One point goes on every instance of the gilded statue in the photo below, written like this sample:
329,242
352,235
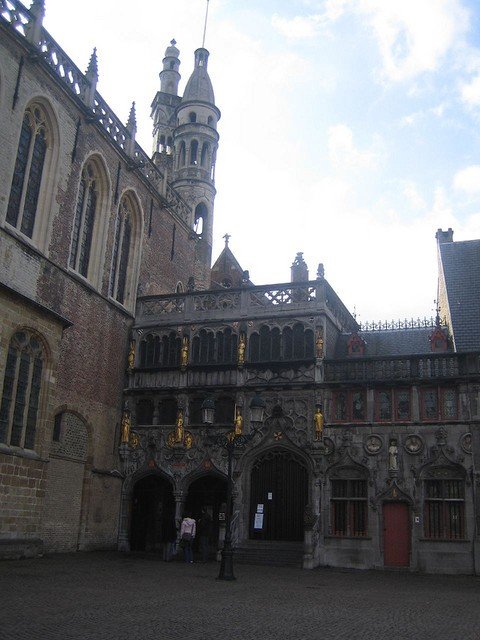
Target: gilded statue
238,423
241,349
319,344
131,356
179,428
184,352
318,421
126,424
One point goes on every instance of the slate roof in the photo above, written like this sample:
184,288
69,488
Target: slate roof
460,262
199,86
397,342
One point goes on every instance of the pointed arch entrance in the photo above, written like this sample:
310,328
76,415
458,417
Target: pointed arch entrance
207,492
153,509
279,493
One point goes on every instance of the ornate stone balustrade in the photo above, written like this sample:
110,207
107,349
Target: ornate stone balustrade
16,14
428,367
227,304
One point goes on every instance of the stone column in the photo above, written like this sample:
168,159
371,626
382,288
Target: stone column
124,519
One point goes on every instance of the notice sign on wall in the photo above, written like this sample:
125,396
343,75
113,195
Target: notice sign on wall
258,522
259,508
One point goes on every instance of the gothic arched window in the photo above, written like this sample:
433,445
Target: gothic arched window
193,152
121,256
204,154
27,177
182,155
192,116
254,347
21,390
200,218
84,222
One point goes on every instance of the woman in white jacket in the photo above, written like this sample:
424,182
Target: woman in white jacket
188,529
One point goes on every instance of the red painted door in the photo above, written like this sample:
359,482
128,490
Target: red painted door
396,534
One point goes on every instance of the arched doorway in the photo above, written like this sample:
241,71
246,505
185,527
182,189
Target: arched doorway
210,493
153,507
278,496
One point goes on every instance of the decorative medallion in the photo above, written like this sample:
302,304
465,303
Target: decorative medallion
373,445
413,444
278,435
466,442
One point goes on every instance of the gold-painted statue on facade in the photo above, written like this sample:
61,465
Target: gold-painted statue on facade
238,423
131,356
242,345
126,424
179,427
184,352
319,344
318,421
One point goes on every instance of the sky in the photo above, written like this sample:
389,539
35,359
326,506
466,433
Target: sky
349,130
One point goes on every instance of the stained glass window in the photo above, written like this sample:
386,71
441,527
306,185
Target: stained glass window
21,391
84,221
28,171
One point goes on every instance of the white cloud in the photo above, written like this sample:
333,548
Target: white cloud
471,92
468,180
308,26
343,152
413,37
415,200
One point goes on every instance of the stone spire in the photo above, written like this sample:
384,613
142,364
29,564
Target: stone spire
91,75
34,29
132,130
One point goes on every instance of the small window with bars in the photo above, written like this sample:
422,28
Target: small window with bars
348,507
444,514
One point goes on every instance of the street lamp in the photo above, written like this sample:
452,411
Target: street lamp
230,442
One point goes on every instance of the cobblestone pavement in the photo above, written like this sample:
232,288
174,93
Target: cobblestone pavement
97,596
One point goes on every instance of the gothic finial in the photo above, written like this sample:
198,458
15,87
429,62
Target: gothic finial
173,42
132,118
37,5
320,271
437,313
92,69
227,237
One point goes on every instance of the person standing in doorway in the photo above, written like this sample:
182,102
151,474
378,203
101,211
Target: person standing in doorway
188,530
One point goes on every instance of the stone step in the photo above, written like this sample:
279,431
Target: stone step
266,552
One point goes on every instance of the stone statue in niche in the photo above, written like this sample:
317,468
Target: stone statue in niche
179,429
238,423
319,344
131,356
126,424
184,352
318,421
241,350
393,455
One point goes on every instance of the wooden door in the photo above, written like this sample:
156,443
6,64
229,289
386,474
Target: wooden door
279,492
396,534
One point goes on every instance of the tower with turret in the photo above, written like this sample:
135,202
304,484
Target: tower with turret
185,146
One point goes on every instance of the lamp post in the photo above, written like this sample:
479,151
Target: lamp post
230,442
